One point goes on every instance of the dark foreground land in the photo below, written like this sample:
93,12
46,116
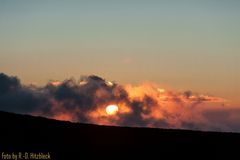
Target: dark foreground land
64,140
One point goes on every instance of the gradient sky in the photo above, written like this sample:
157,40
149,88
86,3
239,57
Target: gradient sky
185,44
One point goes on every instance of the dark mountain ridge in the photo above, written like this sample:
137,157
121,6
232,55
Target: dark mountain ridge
66,140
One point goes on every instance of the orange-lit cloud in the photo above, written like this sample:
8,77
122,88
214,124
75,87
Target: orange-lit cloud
144,105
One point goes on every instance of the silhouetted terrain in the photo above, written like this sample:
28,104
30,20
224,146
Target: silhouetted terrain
65,140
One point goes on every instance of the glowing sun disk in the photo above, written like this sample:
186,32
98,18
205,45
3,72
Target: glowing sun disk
112,109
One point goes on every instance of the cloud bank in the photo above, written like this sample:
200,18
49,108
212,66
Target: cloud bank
145,105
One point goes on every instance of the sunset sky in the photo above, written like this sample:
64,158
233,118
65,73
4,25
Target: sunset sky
183,44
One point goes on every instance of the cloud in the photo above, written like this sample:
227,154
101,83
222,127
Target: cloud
15,97
144,105
224,119
8,83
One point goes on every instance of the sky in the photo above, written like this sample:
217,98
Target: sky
184,44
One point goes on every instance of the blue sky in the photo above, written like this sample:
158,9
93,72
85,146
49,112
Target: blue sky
186,44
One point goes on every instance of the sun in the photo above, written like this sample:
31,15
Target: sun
111,109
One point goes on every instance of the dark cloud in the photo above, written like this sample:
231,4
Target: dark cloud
187,94
134,118
8,84
17,98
